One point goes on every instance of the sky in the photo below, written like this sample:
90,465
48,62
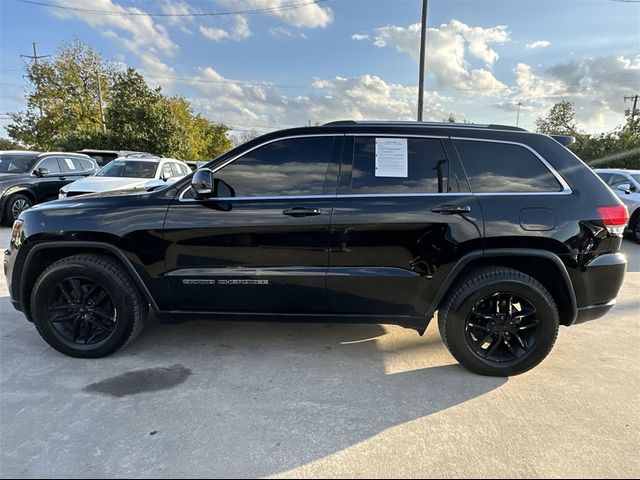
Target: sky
298,61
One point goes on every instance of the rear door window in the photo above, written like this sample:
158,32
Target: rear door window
419,165
494,167
67,165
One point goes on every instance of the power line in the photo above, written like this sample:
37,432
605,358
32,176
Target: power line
158,14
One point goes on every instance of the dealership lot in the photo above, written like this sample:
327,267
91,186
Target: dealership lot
288,400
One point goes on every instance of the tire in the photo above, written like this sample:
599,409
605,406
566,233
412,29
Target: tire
488,342
100,307
14,205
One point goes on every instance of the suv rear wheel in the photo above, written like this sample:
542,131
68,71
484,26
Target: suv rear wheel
499,321
87,306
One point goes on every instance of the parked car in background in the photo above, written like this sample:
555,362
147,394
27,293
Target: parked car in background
128,173
626,185
102,157
27,178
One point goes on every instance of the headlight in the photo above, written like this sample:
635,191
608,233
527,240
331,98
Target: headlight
16,233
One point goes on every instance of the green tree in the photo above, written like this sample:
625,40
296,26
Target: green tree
6,144
561,120
65,89
205,139
619,148
139,118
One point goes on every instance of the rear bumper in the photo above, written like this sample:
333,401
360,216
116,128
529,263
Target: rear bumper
593,312
601,280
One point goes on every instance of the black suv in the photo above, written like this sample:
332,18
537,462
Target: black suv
27,178
505,233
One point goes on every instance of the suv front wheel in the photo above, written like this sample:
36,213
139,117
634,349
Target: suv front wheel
87,306
499,321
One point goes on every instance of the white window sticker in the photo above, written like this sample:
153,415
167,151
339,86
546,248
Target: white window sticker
391,157
69,163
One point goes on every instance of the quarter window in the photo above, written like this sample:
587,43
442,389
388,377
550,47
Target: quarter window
427,168
504,168
295,166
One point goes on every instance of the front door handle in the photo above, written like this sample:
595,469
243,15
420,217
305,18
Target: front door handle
451,209
302,212
62,178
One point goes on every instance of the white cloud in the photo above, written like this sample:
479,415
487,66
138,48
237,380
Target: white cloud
311,15
537,44
172,7
364,97
448,47
281,32
359,37
596,85
138,33
239,32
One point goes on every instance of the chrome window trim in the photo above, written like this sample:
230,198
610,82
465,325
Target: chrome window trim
326,197
566,190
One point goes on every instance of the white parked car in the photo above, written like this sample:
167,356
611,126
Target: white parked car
126,173
626,185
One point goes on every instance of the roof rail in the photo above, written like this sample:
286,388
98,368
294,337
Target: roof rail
340,123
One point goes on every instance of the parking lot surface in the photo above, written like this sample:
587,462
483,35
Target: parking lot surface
288,400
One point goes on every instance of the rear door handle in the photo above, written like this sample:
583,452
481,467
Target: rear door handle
451,209
302,212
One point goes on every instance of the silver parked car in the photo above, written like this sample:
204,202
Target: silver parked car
626,185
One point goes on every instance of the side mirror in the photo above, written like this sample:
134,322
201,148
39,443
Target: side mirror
204,186
41,172
625,187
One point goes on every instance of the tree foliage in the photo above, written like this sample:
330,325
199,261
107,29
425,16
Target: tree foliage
619,148
65,87
6,144
137,117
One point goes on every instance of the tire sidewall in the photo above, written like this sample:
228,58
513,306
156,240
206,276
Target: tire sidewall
124,305
8,212
547,330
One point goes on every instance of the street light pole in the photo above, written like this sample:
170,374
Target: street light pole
423,42
518,116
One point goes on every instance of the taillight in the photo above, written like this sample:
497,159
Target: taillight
614,217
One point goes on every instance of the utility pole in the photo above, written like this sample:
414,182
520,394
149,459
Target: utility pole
519,104
423,44
104,126
634,110
35,58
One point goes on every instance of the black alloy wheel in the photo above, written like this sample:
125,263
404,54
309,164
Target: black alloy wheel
499,321
87,306
82,311
502,327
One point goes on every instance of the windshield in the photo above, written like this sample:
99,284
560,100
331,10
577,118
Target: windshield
20,163
129,168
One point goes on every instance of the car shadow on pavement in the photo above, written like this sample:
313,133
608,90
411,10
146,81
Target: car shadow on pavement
277,396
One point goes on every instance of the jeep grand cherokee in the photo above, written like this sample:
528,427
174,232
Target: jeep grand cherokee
505,233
